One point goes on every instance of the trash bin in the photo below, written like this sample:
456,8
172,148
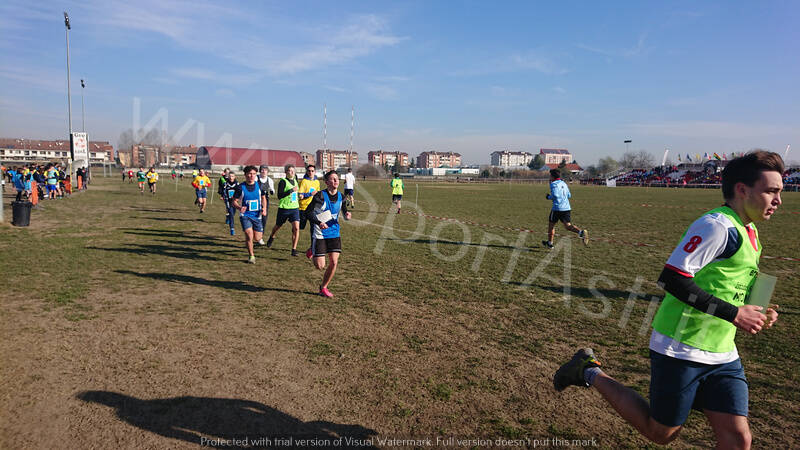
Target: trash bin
21,213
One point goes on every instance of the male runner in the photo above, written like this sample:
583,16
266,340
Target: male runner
288,207
152,179
349,188
268,188
326,239
560,195
397,191
226,192
201,183
141,178
308,186
251,203
693,357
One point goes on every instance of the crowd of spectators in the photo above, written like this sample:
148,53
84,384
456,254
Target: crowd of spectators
34,181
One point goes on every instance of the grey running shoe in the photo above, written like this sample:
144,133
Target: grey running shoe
571,373
585,236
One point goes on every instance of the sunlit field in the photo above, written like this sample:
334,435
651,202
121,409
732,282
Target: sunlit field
133,321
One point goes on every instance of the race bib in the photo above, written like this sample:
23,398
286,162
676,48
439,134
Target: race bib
202,183
231,192
252,205
294,196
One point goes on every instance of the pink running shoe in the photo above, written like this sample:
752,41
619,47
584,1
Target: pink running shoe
325,292
309,254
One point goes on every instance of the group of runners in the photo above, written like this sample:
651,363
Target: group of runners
707,278
149,177
302,203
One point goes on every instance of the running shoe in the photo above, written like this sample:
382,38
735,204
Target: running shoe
295,252
325,292
261,241
233,232
269,242
571,373
252,259
585,236
309,253
547,244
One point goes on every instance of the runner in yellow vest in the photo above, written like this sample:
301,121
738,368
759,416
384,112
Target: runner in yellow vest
693,357
397,191
309,185
288,207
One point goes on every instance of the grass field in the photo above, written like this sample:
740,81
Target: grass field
132,321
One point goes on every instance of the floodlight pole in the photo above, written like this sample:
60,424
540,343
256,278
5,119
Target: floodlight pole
83,110
69,105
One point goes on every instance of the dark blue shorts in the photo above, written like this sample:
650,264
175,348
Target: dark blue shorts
291,215
563,216
397,197
251,222
201,193
676,386
348,192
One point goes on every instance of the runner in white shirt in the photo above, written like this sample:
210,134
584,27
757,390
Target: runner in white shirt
349,186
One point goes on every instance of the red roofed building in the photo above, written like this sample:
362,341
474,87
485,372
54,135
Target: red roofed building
217,158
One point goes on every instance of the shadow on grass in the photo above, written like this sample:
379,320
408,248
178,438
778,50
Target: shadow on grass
470,244
174,277
165,233
583,292
203,420
165,250
168,219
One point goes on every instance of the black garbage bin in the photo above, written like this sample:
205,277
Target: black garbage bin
22,213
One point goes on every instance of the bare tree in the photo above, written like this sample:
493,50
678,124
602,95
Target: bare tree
607,165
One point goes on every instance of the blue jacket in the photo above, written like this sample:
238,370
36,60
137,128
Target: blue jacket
559,194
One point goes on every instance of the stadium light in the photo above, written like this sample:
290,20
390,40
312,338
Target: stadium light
627,142
83,110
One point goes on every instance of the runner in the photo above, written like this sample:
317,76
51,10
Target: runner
349,188
268,188
694,362
308,186
560,195
288,207
52,182
124,174
152,179
130,175
326,237
226,192
201,183
397,191
250,201
141,178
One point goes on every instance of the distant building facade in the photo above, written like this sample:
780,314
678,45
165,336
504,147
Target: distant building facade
334,159
428,160
308,158
506,158
380,158
556,155
18,150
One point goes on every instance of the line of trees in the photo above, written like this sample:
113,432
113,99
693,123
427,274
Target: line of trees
629,161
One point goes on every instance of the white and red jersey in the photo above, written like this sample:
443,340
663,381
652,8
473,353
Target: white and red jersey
710,238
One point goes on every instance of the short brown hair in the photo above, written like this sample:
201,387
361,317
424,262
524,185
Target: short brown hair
747,169
555,173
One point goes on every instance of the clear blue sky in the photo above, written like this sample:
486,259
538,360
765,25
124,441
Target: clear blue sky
470,77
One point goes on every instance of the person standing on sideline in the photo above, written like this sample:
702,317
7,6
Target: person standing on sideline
201,183
694,363
268,188
397,191
309,185
141,178
52,182
288,207
226,192
249,199
323,212
349,188
561,211
152,179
